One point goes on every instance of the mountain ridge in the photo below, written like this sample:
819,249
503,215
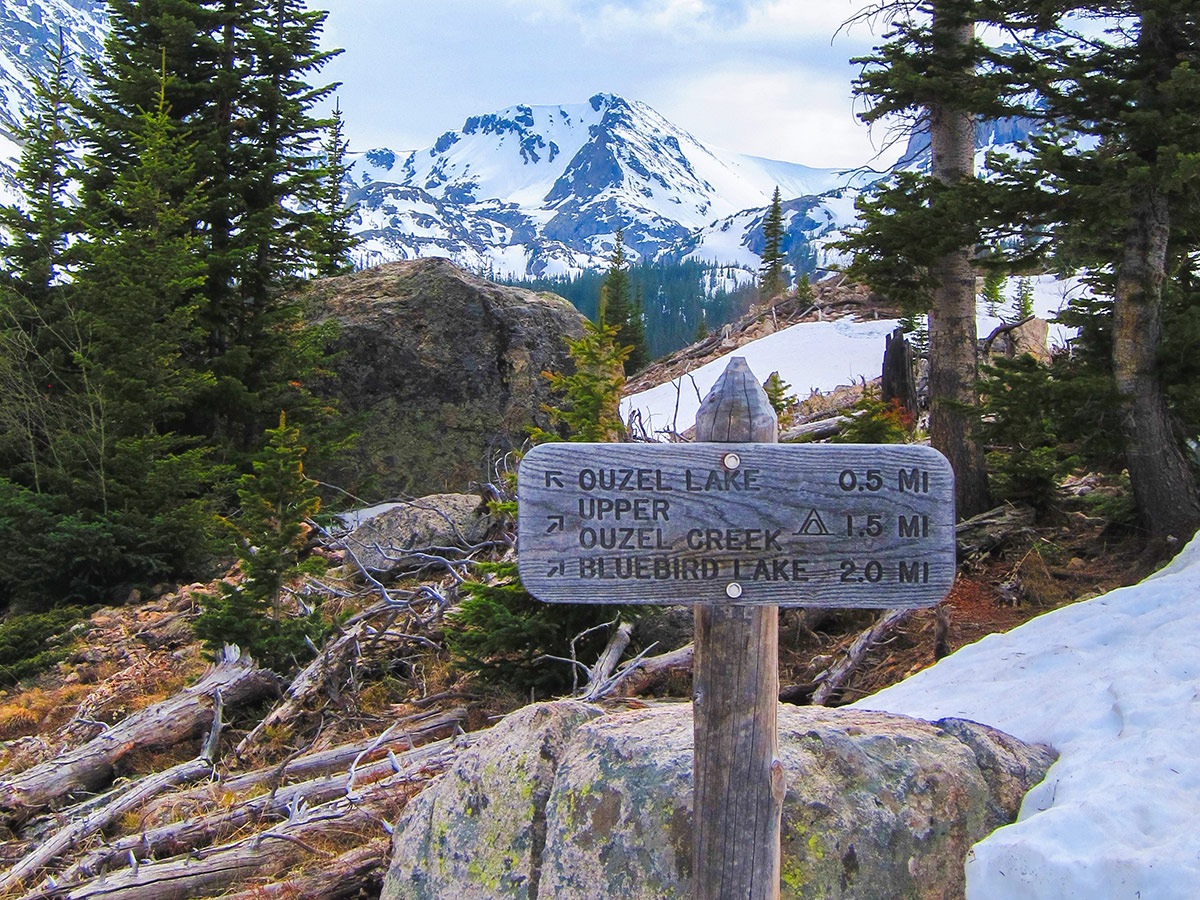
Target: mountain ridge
541,190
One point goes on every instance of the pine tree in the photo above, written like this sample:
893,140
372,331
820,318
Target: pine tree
1120,202
919,232
619,310
36,253
993,289
770,279
270,531
35,339
781,401
333,241
238,81
592,393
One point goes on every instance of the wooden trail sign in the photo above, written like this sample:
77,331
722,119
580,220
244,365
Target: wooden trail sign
833,525
738,526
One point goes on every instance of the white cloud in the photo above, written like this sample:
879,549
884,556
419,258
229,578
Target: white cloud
729,19
800,115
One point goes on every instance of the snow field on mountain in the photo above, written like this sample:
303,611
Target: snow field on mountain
1113,684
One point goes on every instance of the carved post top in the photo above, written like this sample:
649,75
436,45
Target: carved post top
737,409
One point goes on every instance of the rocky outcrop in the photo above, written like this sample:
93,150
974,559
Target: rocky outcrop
440,369
436,521
563,803
480,832
1030,336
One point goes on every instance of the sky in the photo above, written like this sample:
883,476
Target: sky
763,77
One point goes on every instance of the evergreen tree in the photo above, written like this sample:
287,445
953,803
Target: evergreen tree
1023,302
237,81
993,288
35,334
919,232
619,309
270,533
770,279
1120,202
333,241
592,393
36,252
777,392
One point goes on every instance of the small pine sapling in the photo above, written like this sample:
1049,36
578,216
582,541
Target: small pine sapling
781,401
1023,302
804,293
878,422
1018,429
499,630
592,393
269,537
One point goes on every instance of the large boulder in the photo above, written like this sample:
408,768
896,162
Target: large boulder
877,806
439,520
479,833
440,368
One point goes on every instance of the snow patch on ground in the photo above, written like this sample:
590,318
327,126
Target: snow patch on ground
808,356
1113,684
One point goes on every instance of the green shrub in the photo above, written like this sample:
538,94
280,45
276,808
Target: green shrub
33,642
877,422
1019,433
503,633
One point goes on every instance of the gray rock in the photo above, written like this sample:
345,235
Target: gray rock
441,368
439,520
478,833
1031,336
878,806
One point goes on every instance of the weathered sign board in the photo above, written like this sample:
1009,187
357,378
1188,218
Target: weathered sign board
833,525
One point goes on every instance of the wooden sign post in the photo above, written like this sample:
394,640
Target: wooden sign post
737,525
737,776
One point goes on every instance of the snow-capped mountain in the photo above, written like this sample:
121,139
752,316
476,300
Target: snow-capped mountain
542,190
29,33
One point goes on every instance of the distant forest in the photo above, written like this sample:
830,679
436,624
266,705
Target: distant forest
679,300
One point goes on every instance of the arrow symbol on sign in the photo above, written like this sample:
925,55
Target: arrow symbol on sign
559,569
557,523
552,479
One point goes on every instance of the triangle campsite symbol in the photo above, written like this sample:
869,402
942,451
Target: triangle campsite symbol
813,526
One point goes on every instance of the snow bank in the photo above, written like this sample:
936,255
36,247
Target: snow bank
1114,685
823,355
812,355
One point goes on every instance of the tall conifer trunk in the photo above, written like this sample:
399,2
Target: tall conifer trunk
953,346
1163,485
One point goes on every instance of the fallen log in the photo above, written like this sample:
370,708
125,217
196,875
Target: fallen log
833,678
194,832
816,431
985,532
236,678
407,733
202,873
310,681
637,674
131,799
356,873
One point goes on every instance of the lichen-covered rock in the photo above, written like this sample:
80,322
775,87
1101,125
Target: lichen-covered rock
877,806
440,368
439,520
479,831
